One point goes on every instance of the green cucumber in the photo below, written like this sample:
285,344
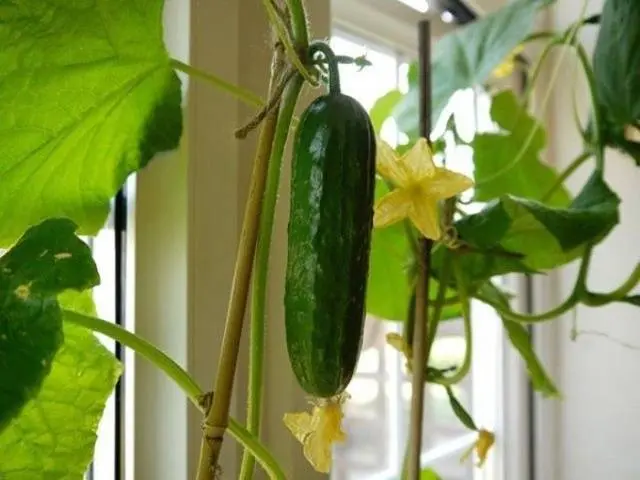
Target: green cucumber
329,239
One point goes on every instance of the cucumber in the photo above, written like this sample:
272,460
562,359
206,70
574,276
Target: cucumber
329,239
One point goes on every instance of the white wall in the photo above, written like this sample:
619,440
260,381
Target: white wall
593,433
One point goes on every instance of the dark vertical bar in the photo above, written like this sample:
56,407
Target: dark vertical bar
422,289
120,230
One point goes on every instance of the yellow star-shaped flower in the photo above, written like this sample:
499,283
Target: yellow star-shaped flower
318,431
419,186
398,342
482,446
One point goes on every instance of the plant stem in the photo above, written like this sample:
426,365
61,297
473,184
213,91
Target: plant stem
180,377
283,35
465,304
245,96
216,419
599,299
595,109
419,359
434,319
261,269
332,64
299,26
583,157
142,347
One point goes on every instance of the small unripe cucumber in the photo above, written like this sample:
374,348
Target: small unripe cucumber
331,215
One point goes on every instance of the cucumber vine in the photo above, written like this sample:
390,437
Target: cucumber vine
123,107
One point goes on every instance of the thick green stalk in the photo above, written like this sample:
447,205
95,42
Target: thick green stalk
180,377
299,26
216,419
282,31
261,269
241,94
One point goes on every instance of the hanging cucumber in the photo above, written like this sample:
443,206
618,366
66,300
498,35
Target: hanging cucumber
331,214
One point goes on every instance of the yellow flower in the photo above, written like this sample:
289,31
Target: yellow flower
482,446
508,65
419,186
317,431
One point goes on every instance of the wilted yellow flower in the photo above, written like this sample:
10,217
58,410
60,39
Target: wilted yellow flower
419,186
399,343
482,446
318,430
508,65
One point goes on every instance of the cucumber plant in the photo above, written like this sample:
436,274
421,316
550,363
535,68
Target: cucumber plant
89,92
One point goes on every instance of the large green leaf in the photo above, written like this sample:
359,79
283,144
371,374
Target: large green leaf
616,62
391,273
47,260
54,436
502,163
546,237
466,57
87,96
519,338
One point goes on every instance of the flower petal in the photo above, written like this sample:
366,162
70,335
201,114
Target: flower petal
424,215
388,165
418,162
446,184
318,432
392,208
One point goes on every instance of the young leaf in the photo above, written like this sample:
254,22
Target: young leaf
616,63
519,338
47,260
54,435
466,57
87,96
460,411
500,166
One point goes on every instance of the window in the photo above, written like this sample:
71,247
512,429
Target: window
108,254
377,414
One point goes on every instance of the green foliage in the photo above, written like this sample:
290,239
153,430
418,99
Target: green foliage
55,434
466,57
47,260
87,96
519,338
616,63
429,474
460,411
383,108
509,162
546,237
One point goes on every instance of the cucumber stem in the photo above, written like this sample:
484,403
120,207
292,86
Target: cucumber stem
332,63
261,269
217,418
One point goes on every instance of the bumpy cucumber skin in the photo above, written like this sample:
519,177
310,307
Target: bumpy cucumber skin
331,216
